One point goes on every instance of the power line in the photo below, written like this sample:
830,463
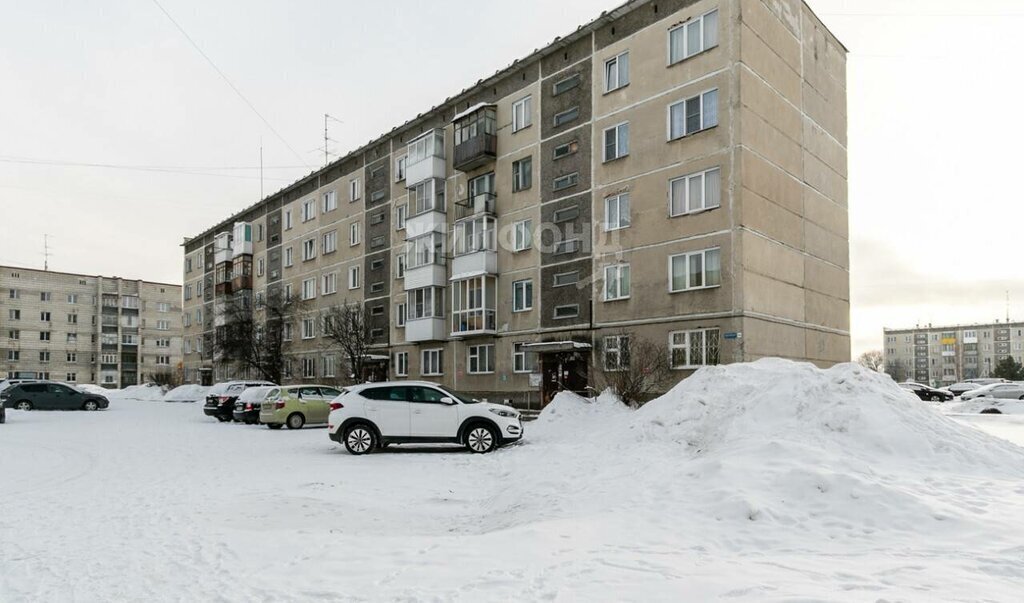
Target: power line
194,171
228,82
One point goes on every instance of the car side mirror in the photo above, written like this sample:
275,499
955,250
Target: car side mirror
447,400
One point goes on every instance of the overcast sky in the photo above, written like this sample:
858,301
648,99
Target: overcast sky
934,100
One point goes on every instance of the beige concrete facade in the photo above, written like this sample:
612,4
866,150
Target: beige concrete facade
88,329
772,135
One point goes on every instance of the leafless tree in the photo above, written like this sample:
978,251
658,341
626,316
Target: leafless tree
253,336
633,367
872,360
345,328
166,377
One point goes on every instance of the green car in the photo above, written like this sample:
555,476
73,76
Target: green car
297,405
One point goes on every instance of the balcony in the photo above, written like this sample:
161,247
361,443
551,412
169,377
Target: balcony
475,247
481,203
241,282
424,329
426,209
425,158
476,143
473,306
223,289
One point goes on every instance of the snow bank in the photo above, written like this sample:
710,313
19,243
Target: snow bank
975,406
186,393
143,393
93,389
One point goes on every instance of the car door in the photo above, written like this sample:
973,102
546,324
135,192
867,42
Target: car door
1007,391
388,408
430,417
57,397
307,398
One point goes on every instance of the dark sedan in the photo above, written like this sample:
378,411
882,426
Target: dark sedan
929,394
50,396
220,401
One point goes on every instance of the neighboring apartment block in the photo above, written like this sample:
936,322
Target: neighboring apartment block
87,329
940,356
674,170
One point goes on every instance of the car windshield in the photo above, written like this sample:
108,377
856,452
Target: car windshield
235,389
219,388
462,399
253,394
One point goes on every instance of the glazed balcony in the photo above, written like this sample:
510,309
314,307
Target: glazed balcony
476,142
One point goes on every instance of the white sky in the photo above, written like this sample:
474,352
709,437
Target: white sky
934,100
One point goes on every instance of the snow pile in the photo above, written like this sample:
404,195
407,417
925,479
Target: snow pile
93,389
977,405
569,416
186,393
143,393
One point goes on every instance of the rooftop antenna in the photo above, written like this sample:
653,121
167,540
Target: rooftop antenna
327,139
261,167
46,252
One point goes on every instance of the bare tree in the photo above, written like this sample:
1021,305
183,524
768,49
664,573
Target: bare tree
166,377
872,360
254,337
345,327
633,367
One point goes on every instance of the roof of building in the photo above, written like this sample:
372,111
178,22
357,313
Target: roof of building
536,55
139,280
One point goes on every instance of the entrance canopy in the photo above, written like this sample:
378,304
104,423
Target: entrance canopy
556,346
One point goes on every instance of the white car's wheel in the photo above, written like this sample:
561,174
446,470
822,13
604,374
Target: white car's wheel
360,439
481,439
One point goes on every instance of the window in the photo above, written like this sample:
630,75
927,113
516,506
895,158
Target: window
522,174
378,195
71,357
522,114
308,328
259,232
309,368
331,241
400,315
616,282
427,196
261,266
286,333
523,235
14,334
427,302
563,279
71,377
13,355
163,325
353,233
330,283
400,265
522,295
353,190
564,150
44,316
473,305
693,114
308,249
329,365
480,359
163,307
690,349
432,362
163,360
44,356
72,298
401,364
288,219
697,270
565,84
401,213
308,210
566,181
288,257
73,319
616,142
309,288
475,234
330,201
45,296
616,212
44,336
616,72
616,353
567,311
695,192
565,247
353,277
14,314
400,168
523,361
428,249
566,116
692,37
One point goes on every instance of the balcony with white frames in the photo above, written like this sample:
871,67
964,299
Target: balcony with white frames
222,251
473,306
475,251
426,264
427,211
241,242
425,158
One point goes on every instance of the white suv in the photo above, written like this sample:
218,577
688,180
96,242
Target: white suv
373,415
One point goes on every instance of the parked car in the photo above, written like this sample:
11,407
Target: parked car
958,389
247,406
373,415
1013,391
928,393
5,383
298,405
47,395
220,400
987,381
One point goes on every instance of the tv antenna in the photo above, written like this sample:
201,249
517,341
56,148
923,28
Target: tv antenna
46,252
328,139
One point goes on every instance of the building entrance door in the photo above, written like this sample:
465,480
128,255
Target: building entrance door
563,371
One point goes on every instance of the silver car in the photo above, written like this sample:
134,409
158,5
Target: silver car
1005,391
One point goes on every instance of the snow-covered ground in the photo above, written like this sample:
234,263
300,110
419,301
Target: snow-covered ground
768,481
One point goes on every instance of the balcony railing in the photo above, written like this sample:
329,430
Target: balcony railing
480,203
469,322
475,152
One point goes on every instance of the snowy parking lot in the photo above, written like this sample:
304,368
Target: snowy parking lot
739,487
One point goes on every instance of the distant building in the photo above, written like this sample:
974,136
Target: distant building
674,170
87,329
946,354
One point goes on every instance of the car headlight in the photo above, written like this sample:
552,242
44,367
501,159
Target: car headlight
502,412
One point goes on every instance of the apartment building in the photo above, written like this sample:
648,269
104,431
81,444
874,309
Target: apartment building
943,355
674,170
87,329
